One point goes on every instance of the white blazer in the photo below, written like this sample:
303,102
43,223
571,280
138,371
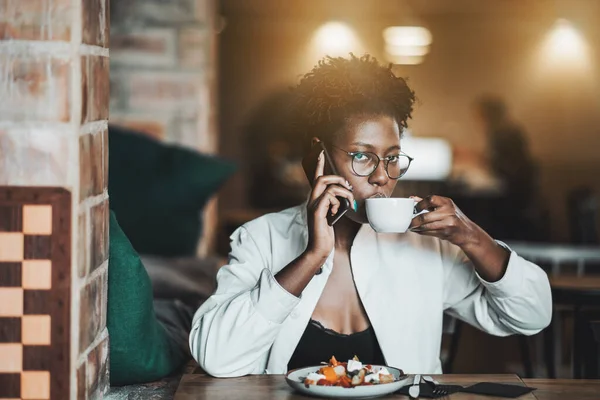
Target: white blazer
251,325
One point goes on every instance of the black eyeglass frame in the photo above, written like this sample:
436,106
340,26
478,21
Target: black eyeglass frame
386,161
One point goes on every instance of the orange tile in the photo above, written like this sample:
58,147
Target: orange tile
35,385
36,330
12,357
37,274
11,246
37,220
11,302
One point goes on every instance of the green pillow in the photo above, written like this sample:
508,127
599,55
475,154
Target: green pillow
140,350
159,191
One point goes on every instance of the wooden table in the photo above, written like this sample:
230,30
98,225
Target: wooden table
560,389
202,386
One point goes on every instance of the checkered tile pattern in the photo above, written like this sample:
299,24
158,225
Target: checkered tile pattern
26,324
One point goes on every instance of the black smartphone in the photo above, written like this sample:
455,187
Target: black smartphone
309,163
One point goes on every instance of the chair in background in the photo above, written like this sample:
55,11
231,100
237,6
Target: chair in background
590,338
453,327
594,355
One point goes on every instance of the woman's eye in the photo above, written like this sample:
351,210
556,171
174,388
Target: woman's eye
360,157
393,159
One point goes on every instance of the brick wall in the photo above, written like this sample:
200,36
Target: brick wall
162,69
54,76
163,65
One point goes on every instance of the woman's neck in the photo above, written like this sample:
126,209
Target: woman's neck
345,232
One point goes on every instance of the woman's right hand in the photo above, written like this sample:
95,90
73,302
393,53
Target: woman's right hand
323,196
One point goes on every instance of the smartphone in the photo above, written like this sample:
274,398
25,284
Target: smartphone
309,163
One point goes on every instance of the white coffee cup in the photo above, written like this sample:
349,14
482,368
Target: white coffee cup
388,215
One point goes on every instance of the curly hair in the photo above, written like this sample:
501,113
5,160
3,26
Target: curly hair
339,89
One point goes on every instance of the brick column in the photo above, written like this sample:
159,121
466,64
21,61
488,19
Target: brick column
54,91
163,75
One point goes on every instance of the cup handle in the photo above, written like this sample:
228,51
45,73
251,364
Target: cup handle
416,213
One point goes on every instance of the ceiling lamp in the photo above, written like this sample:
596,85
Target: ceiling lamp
335,39
406,44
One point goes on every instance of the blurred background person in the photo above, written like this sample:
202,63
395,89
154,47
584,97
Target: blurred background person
510,161
273,155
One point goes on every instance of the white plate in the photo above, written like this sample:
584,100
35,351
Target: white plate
295,379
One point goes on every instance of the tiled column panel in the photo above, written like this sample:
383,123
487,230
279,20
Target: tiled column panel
35,291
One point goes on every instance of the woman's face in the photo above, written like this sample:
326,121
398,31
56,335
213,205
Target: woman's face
379,135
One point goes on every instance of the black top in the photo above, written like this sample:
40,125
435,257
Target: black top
318,344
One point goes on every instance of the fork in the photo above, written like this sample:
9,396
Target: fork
437,389
440,391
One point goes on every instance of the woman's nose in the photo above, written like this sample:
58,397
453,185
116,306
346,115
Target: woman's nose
379,177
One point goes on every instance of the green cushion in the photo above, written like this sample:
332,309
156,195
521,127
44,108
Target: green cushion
159,191
140,350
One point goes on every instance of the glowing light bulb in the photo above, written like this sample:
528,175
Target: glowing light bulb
406,44
335,39
565,45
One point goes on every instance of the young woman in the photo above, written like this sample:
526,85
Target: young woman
297,291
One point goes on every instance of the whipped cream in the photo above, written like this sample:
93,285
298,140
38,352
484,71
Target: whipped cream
313,378
354,366
374,376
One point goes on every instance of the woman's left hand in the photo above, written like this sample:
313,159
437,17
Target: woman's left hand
445,221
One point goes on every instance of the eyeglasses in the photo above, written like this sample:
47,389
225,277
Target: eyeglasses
364,163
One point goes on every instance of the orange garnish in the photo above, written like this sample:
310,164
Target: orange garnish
332,379
345,382
330,374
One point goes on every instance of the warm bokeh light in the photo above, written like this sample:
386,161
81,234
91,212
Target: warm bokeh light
407,36
406,44
432,158
410,51
565,47
335,39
